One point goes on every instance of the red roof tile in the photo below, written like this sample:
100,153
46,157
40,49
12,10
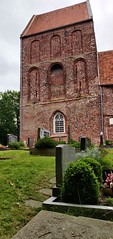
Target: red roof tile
57,18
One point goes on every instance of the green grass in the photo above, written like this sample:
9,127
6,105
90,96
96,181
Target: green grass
21,177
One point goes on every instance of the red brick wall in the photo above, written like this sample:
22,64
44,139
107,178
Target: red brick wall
75,94
106,67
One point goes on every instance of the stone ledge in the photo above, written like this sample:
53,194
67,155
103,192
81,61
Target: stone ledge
93,211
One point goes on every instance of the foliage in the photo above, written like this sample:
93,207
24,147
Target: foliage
106,163
21,178
103,151
62,142
45,142
9,115
80,184
96,166
109,201
74,143
89,153
107,142
16,145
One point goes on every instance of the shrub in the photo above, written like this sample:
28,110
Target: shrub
89,153
74,143
96,166
14,145
107,142
80,185
62,142
22,144
45,142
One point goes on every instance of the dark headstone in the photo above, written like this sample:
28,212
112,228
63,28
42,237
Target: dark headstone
83,143
30,142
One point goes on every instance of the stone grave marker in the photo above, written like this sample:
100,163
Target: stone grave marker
64,155
11,138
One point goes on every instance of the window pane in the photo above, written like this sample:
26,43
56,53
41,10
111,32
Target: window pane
59,123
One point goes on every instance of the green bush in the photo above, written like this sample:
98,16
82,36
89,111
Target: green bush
62,142
74,143
106,163
96,166
89,153
22,144
80,185
14,145
45,143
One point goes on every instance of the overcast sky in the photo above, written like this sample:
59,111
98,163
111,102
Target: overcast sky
14,16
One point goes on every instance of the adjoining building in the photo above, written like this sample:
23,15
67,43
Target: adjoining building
66,85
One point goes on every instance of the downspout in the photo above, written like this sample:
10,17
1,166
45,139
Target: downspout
101,101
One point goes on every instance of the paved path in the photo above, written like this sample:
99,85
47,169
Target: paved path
52,225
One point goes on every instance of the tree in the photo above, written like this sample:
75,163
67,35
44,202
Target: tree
9,114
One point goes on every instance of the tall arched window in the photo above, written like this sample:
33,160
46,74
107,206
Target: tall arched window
59,123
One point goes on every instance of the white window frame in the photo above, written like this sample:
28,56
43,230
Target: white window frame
59,129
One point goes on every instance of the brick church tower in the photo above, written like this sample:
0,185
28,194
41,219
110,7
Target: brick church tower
59,75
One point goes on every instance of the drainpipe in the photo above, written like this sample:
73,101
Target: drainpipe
101,103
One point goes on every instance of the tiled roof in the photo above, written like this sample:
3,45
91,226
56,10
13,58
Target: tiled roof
106,67
57,18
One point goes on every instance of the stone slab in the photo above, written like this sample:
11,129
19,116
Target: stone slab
52,225
33,203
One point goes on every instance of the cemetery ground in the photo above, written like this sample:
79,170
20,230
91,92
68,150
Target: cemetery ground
21,177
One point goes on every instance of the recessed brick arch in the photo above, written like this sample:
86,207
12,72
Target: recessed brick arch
80,76
33,85
76,42
35,51
56,81
55,46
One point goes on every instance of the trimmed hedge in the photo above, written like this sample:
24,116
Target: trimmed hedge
80,184
14,145
96,166
45,143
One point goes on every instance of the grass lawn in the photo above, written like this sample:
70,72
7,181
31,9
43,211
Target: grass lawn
21,177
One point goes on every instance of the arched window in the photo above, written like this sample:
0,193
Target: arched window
59,123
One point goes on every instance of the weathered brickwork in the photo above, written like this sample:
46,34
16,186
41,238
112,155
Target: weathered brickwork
59,74
106,82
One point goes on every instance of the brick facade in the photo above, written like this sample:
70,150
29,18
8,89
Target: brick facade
59,73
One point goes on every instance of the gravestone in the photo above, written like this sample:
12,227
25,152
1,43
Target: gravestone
65,154
85,142
30,142
11,138
42,132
